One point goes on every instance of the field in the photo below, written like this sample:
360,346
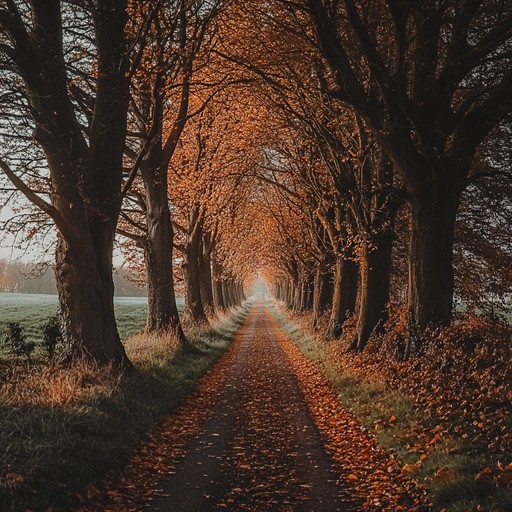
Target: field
32,311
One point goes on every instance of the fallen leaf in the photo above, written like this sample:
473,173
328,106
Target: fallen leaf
411,468
13,478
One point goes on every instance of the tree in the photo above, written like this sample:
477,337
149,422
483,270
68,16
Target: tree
85,163
431,80
161,92
209,183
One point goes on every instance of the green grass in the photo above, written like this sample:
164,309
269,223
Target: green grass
64,429
374,404
32,311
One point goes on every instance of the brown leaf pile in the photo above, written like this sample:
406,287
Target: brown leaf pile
464,378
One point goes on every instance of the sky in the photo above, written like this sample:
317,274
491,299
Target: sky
34,252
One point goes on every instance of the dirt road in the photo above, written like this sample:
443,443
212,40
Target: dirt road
264,432
259,449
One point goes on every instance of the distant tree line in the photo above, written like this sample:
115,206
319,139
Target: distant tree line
28,277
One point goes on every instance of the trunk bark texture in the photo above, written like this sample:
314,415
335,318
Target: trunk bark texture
194,310
158,250
431,279
291,294
323,292
306,299
344,297
297,292
227,291
375,276
205,267
86,290
218,297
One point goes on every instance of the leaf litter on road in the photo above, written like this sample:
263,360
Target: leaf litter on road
263,432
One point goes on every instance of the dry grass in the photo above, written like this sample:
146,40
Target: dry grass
53,385
152,350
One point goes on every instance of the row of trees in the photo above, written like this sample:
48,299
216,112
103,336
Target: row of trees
389,135
307,140
95,97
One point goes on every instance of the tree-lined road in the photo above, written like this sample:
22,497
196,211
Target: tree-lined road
264,432
259,449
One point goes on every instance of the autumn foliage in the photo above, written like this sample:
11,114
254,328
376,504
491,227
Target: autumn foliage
355,156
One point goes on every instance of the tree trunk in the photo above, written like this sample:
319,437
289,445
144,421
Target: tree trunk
322,292
194,310
225,293
297,289
85,286
308,291
431,279
218,297
158,249
344,297
305,290
283,287
290,294
283,291
375,275
205,267
278,291
238,293
241,293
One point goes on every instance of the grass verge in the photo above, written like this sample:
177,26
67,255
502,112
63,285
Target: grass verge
62,430
457,476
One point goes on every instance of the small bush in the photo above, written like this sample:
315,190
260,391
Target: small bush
52,335
15,341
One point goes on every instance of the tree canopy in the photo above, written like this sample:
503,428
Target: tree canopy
354,154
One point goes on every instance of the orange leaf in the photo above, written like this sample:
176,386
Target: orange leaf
13,478
411,468
435,439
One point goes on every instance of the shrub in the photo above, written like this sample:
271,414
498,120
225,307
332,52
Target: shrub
16,342
52,335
